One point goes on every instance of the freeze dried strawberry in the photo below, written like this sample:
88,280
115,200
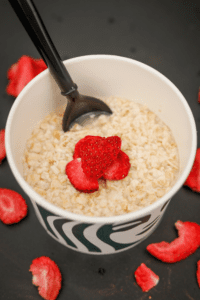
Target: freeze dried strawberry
97,154
95,159
146,278
198,273
22,73
100,157
12,72
119,168
47,276
183,246
88,138
39,65
78,178
193,180
2,145
113,144
13,207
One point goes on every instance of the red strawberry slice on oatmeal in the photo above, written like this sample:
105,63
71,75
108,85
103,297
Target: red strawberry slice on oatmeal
119,168
97,154
98,157
78,178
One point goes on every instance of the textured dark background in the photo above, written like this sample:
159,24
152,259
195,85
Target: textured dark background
164,34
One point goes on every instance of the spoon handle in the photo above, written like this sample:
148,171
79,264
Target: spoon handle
32,22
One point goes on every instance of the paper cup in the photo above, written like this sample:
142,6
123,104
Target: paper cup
101,76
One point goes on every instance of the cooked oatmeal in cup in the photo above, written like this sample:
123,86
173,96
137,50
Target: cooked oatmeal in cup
146,140
157,132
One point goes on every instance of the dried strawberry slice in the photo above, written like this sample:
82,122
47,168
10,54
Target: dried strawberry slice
22,73
13,207
198,273
2,145
183,246
47,276
113,145
89,139
97,154
12,72
39,65
100,157
146,278
119,168
193,180
78,178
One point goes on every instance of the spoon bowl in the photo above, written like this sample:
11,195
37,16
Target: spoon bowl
79,107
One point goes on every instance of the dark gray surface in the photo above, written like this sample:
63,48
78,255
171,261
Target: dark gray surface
163,34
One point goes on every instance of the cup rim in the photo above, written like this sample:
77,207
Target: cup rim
83,218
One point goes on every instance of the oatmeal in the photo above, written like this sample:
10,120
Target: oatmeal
147,141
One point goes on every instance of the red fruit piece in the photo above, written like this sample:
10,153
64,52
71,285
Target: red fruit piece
78,178
12,72
193,180
81,143
119,168
97,153
47,276
113,144
39,65
13,207
2,145
146,278
183,246
198,273
95,158
22,73
199,95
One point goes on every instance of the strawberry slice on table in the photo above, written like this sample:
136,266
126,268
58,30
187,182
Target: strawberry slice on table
193,180
22,73
198,273
12,72
183,246
47,276
13,207
2,145
119,168
146,278
78,178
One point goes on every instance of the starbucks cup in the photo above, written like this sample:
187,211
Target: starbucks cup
101,76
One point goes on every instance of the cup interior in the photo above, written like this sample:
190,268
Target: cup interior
103,76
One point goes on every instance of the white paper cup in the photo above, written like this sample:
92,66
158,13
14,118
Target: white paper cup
101,76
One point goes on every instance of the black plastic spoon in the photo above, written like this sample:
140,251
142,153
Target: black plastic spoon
78,106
